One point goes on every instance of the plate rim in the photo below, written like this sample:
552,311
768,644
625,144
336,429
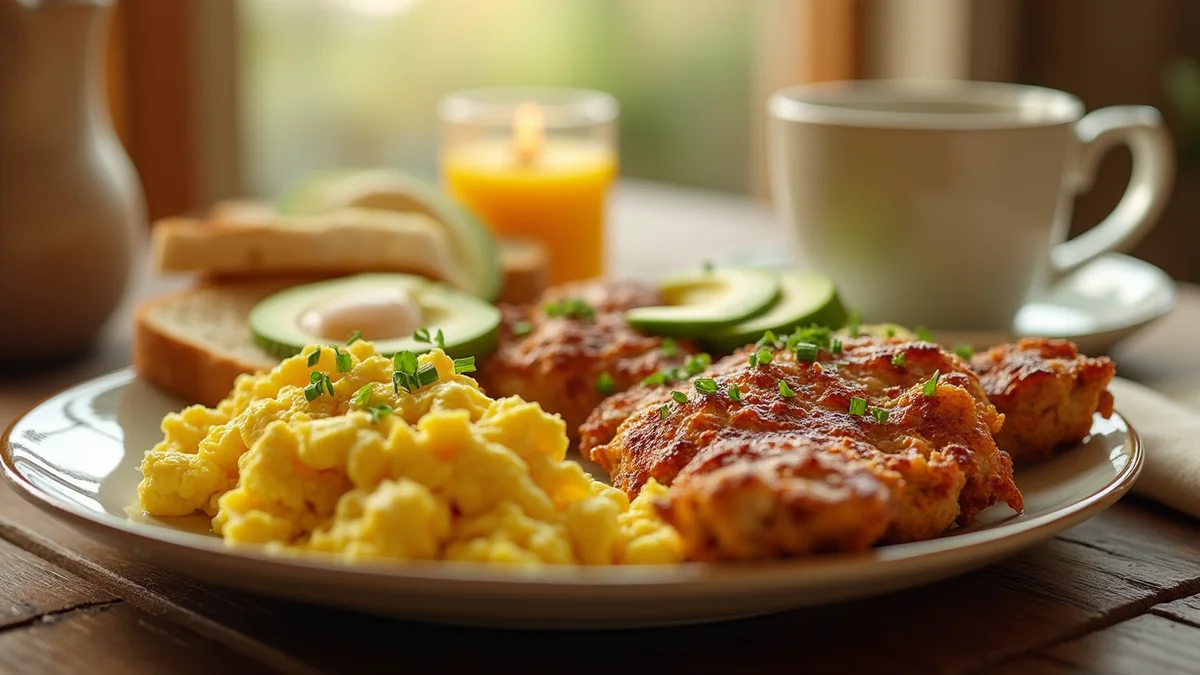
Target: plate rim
874,561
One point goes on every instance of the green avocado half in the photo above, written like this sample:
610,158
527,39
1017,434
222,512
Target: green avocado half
282,324
805,299
706,301
472,243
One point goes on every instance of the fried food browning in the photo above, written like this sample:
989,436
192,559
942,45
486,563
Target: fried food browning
932,463
1048,393
767,495
559,361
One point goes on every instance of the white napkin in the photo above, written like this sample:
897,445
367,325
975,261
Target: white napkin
1171,435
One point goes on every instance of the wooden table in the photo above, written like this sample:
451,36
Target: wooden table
1120,593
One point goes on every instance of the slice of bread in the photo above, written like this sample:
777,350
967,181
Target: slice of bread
195,343
345,240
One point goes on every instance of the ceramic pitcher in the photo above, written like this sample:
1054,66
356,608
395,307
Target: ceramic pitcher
70,202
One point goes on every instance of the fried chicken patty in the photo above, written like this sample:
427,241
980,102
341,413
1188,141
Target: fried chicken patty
1048,393
790,470
574,346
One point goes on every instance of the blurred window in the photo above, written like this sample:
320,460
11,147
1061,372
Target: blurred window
356,82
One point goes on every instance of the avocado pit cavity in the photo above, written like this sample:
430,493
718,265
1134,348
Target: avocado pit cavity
380,313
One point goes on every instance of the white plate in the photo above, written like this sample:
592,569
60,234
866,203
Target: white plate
77,454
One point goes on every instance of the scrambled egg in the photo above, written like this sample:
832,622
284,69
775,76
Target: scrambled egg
449,474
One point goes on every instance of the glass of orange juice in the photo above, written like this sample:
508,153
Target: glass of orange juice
535,164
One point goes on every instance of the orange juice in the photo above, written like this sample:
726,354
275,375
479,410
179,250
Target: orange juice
557,196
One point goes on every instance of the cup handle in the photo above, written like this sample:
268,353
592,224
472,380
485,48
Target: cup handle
1141,128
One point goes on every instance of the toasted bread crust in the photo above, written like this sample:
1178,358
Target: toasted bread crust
174,359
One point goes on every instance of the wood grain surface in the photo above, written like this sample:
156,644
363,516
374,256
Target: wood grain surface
1118,594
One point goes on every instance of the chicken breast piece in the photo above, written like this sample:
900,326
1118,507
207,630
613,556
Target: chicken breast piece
933,455
1048,393
573,348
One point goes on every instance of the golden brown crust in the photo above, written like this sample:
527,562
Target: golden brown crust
560,360
195,343
1048,393
749,496
940,445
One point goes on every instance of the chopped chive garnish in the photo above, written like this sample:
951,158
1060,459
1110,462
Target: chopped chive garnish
354,337
835,345
764,357
679,397
669,348
676,373
605,383
426,375
899,359
697,363
571,308
806,351
314,356
405,375
735,393
362,397
930,387
853,323
345,362
522,328
768,339
464,365
858,406
814,334
318,383
405,362
422,335
923,334
664,411
784,390
754,359
380,411
890,332
655,379
705,385
880,414
964,351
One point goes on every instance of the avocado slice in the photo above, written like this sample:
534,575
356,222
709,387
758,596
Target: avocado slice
324,313
700,303
472,243
805,299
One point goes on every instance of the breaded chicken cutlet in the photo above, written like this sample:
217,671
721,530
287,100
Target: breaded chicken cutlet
574,347
879,441
1048,393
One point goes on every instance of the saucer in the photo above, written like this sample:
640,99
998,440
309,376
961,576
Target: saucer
1095,306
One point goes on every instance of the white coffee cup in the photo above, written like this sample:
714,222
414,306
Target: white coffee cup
946,204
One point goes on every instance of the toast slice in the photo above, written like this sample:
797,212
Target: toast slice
196,342
346,241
